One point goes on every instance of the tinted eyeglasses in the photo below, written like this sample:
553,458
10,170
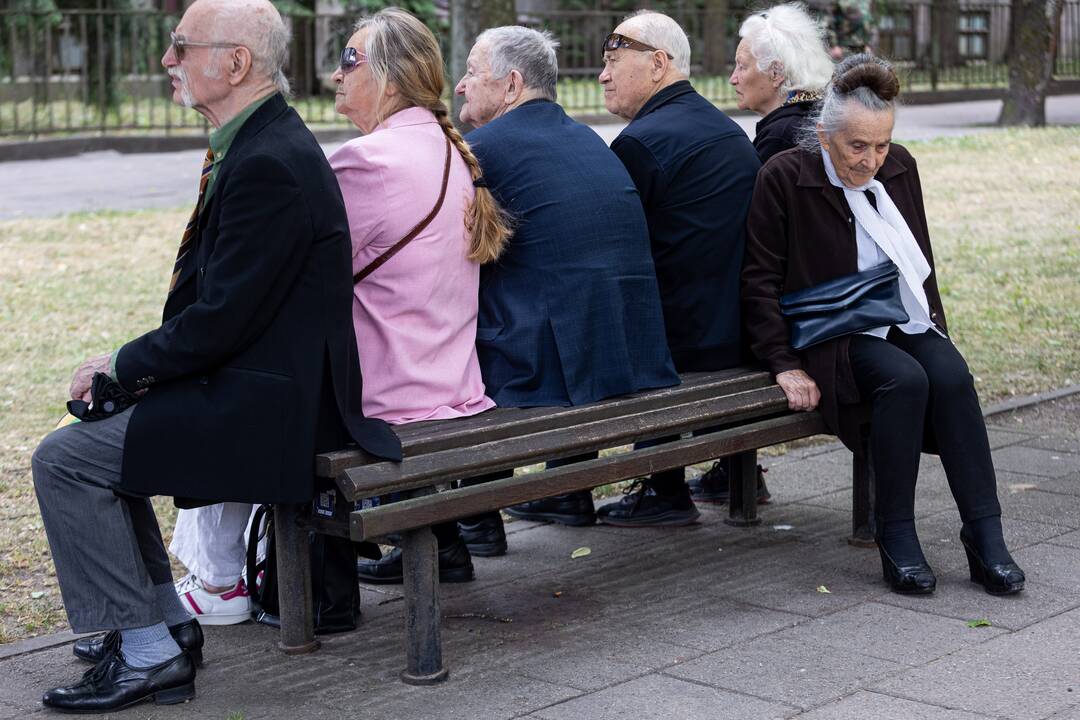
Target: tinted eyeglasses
351,58
614,41
181,43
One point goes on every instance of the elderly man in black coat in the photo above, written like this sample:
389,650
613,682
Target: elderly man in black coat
252,370
694,169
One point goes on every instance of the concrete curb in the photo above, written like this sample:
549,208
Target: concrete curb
32,645
1028,400
50,148
45,642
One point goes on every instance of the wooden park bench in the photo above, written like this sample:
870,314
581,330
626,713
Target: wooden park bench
748,408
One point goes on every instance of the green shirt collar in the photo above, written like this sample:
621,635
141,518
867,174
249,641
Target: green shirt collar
222,138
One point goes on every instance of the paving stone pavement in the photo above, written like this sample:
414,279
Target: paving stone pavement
709,621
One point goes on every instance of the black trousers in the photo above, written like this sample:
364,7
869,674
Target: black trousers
917,383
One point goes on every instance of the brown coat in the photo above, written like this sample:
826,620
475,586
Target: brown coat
800,232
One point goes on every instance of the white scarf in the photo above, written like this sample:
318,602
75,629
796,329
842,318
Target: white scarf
888,229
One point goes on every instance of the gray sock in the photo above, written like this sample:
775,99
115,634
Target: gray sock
169,604
144,647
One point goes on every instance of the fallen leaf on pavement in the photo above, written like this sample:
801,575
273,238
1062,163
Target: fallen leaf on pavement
580,553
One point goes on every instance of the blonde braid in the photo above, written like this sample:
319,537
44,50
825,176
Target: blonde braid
487,223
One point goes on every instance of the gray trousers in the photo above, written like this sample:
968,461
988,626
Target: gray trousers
106,546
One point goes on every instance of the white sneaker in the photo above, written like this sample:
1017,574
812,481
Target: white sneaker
226,608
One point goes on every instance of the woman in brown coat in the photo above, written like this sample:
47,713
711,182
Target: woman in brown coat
848,201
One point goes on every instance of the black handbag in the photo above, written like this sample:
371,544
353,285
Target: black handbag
844,306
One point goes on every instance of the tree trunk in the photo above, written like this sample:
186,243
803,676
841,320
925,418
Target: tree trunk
1032,35
468,18
945,19
715,57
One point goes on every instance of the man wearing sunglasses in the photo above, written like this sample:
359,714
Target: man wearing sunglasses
694,169
252,370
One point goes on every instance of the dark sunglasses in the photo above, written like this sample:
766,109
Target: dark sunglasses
350,59
614,41
181,43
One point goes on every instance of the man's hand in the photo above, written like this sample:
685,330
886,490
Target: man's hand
801,390
84,376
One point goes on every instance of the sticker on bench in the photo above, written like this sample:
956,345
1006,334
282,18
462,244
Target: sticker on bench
324,503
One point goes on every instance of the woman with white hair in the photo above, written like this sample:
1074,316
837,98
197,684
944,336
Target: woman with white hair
781,68
841,300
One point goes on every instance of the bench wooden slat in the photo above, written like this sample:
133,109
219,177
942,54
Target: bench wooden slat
428,437
451,505
459,463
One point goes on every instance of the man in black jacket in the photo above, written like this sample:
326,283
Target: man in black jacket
694,169
252,371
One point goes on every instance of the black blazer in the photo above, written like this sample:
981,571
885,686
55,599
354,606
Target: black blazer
256,355
694,168
800,233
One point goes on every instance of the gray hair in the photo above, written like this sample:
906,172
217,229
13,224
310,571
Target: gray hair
258,26
663,33
787,40
530,52
860,81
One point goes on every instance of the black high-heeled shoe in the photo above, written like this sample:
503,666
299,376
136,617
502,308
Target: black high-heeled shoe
996,579
917,579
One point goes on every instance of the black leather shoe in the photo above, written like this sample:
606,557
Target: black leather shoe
455,566
712,486
998,578
640,507
189,636
113,684
917,579
574,509
484,535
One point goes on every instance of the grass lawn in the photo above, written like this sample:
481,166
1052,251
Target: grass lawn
1003,211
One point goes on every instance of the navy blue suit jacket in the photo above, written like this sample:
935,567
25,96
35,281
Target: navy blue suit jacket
695,170
571,311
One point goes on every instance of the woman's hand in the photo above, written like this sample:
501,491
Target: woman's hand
801,390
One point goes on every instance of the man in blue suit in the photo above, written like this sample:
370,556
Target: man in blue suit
571,313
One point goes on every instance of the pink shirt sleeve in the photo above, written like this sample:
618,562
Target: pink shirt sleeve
362,187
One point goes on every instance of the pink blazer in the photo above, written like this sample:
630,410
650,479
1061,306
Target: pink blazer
415,316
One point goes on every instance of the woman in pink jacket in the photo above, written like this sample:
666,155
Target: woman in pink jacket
415,315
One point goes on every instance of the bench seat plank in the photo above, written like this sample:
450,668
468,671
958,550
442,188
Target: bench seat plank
451,505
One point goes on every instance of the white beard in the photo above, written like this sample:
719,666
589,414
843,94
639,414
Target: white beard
186,98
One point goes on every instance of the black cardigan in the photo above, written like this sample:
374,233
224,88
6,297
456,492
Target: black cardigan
779,130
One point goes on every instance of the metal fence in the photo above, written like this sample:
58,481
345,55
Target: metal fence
99,71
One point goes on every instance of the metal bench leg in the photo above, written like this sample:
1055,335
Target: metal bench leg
419,553
294,581
742,486
862,499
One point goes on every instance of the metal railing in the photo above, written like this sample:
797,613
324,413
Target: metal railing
99,71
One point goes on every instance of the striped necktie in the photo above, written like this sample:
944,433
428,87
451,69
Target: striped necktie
189,232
